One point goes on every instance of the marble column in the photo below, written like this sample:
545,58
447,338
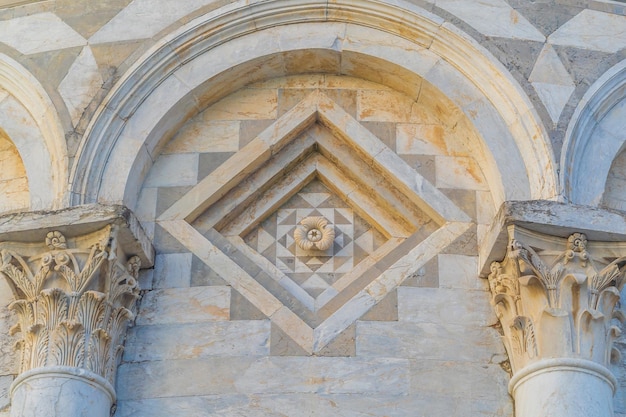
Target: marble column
74,278
556,298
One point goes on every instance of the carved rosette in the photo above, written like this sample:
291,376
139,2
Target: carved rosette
557,303
73,301
314,233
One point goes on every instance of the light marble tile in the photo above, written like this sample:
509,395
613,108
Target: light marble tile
203,136
317,405
269,375
184,305
554,98
549,69
459,172
325,374
197,340
386,106
594,30
493,18
553,83
245,104
440,341
143,19
444,305
418,139
80,85
172,270
459,271
181,377
479,382
174,170
26,35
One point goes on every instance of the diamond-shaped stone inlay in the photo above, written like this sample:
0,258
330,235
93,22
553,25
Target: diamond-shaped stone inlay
355,239
315,160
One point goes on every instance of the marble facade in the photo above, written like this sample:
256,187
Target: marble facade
312,208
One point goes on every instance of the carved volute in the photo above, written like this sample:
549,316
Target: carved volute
556,298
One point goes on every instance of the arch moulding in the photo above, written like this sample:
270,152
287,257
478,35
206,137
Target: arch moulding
246,41
40,140
593,138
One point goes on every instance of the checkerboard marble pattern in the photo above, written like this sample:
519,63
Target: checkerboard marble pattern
355,239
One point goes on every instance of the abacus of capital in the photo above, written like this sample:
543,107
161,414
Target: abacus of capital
73,274
556,292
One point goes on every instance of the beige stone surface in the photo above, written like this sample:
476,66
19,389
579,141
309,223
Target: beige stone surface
210,118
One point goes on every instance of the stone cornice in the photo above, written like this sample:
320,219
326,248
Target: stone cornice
550,218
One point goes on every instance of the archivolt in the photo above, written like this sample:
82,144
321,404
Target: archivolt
37,134
594,138
243,42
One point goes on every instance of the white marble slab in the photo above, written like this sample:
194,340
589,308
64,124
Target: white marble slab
594,30
174,170
184,305
80,85
26,35
144,18
197,340
172,270
444,305
460,271
440,341
493,18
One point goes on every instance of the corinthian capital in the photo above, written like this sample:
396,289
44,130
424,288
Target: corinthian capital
556,297
75,289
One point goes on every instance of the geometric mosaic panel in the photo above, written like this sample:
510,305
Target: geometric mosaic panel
355,239
315,160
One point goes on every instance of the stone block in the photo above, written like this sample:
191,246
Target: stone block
479,382
426,276
172,270
420,139
174,170
445,305
459,172
246,104
269,375
385,131
459,271
315,405
205,136
385,310
184,305
283,345
441,341
208,162
242,309
197,340
325,374
202,275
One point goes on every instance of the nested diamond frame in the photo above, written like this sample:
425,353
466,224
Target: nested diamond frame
315,108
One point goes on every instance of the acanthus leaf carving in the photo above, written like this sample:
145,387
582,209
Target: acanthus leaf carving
72,303
556,301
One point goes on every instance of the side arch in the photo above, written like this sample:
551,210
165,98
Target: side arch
29,119
241,43
594,138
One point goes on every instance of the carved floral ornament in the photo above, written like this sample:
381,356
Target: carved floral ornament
314,233
72,304
557,303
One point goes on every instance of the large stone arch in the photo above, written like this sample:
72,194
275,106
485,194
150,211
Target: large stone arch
397,45
30,121
594,138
